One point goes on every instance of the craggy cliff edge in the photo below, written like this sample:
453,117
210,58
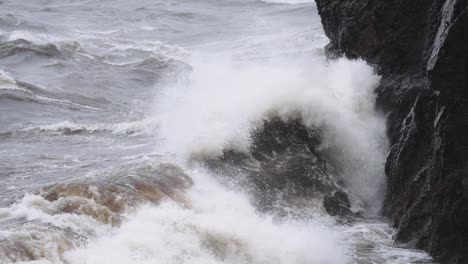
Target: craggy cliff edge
420,48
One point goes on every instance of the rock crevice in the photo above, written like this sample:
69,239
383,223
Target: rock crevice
420,48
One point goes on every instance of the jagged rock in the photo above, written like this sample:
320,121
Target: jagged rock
420,48
337,204
284,170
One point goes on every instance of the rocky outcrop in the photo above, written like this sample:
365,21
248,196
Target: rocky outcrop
285,171
420,48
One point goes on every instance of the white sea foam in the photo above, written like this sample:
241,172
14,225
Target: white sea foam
220,227
215,225
36,208
119,54
171,51
7,81
222,103
36,38
140,127
380,236
42,232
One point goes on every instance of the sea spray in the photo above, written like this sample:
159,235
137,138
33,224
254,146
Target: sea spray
222,103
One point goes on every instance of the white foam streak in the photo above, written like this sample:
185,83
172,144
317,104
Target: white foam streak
7,81
135,128
37,38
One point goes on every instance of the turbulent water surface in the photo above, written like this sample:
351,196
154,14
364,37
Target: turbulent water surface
182,131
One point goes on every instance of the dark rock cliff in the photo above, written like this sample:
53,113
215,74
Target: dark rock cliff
420,48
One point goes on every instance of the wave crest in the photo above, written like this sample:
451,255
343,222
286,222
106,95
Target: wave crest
222,104
135,128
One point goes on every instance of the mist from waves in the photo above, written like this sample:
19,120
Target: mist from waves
224,102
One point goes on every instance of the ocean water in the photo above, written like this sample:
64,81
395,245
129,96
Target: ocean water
186,131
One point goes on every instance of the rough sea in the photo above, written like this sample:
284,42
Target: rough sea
166,132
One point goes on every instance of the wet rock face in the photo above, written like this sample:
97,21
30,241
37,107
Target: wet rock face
284,169
421,50
390,34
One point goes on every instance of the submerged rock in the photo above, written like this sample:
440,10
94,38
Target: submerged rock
420,48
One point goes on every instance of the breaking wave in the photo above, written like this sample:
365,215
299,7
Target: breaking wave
43,226
223,104
220,226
